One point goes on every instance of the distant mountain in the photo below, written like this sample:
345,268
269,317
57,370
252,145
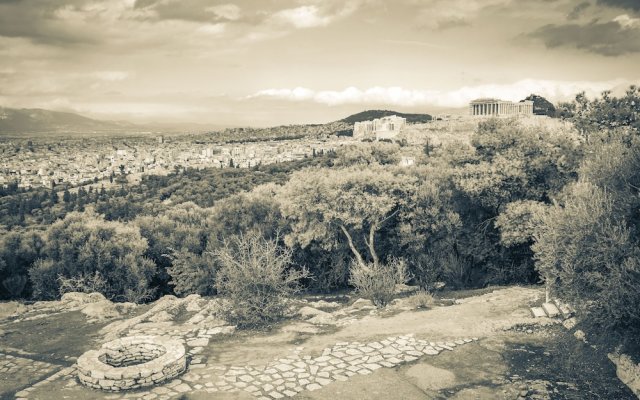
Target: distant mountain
35,120
373,114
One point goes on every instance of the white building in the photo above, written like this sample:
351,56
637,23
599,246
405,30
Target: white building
381,128
500,108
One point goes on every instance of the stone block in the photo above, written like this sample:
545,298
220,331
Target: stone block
551,310
538,312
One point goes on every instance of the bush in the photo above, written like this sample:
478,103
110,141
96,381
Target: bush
589,254
192,273
377,282
256,278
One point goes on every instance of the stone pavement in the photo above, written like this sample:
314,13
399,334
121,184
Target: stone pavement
283,377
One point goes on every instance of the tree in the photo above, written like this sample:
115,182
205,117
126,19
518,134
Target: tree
84,244
514,162
605,113
177,242
328,206
18,250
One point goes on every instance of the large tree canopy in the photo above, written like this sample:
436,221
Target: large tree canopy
330,206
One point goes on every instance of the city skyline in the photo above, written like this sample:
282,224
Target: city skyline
250,63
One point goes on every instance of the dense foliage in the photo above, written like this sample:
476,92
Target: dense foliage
519,203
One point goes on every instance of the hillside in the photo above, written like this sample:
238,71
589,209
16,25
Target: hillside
37,120
373,114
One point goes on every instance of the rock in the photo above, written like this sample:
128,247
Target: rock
325,304
566,310
126,308
193,303
323,319
164,303
551,310
196,319
580,335
82,298
538,312
161,316
363,304
100,310
627,371
570,323
308,312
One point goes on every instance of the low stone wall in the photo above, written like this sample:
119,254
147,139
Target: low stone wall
132,362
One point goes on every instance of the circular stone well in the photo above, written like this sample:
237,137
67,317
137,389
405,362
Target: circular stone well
132,362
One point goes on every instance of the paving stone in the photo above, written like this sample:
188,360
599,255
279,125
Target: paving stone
182,388
284,367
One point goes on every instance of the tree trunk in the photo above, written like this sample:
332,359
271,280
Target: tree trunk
370,243
355,251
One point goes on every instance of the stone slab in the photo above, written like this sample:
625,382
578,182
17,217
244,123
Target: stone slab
551,310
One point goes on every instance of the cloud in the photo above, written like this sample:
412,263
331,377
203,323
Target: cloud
398,96
627,22
444,14
111,76
190,10
311,16
613,38
41,23
229,12
578,10
626,4
303,17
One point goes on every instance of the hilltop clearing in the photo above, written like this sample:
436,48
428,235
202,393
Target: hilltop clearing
486,346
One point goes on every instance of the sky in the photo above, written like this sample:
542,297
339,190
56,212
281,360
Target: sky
271,62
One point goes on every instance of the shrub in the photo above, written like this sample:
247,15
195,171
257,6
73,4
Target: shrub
88,283
422,299
377,282
457,271
425,270
14,284
256,278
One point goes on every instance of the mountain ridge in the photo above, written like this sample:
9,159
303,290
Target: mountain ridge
368,115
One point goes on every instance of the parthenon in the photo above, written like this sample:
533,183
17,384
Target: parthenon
495,107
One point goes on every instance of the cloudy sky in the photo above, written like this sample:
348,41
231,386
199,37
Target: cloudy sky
266,62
